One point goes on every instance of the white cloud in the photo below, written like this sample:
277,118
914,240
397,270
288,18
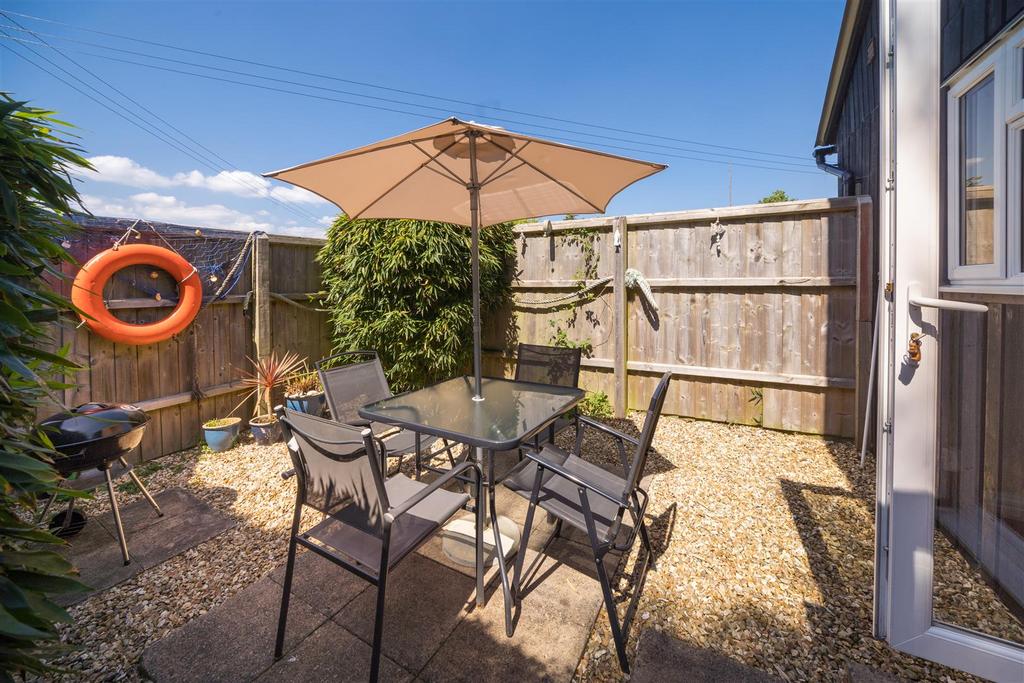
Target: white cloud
170,209
125,171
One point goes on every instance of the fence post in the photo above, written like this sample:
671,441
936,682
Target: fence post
620,238
263,332
864,325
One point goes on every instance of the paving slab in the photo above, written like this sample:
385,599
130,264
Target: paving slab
424,602
331,654
187,522
557,613
664,658
321,583
233,641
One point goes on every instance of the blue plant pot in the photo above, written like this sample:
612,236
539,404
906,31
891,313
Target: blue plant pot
312,405
265,433
221,438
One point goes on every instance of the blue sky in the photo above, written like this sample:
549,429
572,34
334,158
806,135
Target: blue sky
740,75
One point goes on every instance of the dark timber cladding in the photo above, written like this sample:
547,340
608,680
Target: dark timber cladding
850,121
967,25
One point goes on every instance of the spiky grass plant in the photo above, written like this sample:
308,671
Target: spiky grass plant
265,375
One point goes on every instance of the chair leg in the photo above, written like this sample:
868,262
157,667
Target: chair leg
378,621
606,589
646,539
286,594
517,576
419,465
613,616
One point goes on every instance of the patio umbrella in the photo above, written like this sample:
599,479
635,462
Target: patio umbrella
469,174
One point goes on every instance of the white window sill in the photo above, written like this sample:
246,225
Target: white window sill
1001,288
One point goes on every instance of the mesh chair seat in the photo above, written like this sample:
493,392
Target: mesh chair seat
561,497
355,383
370,522
555,365
347,533
548,364
594,500
399,443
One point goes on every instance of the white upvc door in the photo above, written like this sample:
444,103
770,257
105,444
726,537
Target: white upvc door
908,396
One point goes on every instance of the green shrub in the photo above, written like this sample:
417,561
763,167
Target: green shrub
404,288
35,196
596,404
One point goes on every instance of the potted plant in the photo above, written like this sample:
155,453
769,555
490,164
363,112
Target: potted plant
303,393
220,434
267,374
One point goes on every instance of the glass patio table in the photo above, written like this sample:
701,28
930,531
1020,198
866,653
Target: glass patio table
510,413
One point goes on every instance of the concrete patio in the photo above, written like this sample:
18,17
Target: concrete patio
433,629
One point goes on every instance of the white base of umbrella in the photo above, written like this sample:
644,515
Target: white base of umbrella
458,540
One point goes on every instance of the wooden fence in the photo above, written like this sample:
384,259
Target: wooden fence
760,319
195,376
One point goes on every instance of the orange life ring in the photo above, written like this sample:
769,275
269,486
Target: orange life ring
87,293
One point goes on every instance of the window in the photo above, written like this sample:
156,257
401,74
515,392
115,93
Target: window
977,178
985,109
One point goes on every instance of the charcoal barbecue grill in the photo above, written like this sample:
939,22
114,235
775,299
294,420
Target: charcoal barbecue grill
97,436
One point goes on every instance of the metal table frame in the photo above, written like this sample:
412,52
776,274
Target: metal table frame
481,446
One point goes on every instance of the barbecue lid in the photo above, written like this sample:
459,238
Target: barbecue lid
91,422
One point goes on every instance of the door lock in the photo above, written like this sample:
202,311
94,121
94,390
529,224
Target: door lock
914,348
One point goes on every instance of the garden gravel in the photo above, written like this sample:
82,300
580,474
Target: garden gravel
765,544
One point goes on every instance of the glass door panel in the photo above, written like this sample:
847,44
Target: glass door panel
979,490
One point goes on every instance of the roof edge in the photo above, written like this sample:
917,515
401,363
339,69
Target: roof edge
849,34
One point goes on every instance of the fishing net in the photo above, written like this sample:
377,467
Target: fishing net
219,257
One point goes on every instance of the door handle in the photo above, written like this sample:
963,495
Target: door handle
914,298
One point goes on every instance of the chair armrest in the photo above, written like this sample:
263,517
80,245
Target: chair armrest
538,457
590,422
394,513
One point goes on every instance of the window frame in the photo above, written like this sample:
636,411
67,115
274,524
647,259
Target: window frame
1004,61
1015,158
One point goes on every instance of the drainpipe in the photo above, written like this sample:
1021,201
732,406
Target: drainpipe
845,177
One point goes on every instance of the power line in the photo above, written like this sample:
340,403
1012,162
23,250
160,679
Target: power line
445,111
399,90
144,125
558,138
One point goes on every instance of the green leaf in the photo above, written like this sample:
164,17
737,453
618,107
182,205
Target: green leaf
14,628
46,583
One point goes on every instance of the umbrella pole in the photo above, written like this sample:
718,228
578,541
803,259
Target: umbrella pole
474,209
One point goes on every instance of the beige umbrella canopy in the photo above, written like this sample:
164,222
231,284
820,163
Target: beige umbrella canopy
468,174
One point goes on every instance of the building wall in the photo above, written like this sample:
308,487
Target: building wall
857,131
857,145
968,24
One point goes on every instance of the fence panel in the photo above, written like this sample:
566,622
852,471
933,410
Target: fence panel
758,308
760,317
208,358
